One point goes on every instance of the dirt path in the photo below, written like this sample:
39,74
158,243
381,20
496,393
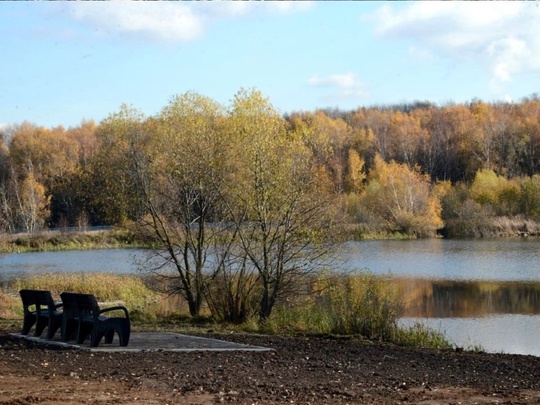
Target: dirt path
311,370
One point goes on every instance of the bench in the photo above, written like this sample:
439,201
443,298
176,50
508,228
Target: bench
44,315
83,317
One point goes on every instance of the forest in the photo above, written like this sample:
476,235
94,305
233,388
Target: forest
413,169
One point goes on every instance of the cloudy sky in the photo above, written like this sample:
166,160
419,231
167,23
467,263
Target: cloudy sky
61,62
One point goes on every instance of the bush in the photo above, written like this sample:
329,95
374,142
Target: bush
360,304
419,335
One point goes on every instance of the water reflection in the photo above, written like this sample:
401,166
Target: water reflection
500,259
468,299
513,334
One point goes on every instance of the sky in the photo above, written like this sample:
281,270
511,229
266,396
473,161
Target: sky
64,62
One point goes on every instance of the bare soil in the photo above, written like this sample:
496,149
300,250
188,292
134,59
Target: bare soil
305,370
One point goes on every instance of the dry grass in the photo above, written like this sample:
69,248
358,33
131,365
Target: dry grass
130,290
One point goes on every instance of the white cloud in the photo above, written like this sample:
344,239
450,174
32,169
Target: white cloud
502,36
342,86
420,53
170,21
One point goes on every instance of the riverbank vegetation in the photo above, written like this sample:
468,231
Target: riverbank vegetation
344,305
79,239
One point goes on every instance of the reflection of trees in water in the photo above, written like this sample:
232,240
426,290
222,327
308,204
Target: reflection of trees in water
444,299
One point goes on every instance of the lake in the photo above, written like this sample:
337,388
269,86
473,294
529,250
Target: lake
477,292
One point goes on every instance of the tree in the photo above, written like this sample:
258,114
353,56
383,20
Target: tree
328,139
279,212
122,139
33,204
355,174
402,197
182,179
530,196
406,137
501,194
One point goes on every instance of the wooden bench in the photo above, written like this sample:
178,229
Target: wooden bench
83,317
44,315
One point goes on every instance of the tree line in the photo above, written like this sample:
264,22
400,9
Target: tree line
54,177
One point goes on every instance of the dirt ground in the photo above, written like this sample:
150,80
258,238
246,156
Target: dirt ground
304,370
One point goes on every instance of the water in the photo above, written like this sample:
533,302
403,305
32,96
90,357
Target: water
498,259
477,292
118,261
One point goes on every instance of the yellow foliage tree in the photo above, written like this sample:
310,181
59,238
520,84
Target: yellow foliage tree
402,197
33,204
499,192
355,172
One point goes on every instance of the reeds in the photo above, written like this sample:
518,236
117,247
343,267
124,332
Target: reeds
128,289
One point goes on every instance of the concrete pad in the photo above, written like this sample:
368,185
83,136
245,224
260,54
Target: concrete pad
152,341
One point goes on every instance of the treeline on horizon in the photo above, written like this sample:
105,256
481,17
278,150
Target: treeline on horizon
417,169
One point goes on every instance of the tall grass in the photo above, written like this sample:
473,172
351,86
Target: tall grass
360,304
419,335
130,290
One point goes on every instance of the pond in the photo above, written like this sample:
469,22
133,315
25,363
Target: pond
477,292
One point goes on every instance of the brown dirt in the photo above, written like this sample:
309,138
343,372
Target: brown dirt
306,370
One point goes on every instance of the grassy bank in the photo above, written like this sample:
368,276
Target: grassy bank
360,305
68,240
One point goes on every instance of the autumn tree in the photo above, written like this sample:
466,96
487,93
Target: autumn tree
407,136
280,215
33,204
328,139
52,156
500,193
530,196
116,198
355,172
402,197
183,187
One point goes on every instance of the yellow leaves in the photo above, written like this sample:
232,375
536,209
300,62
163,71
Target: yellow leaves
402,197
355,171
34,203
486,186
497,191
49,153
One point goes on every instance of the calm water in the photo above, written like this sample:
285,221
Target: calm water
501,259
477,292
121,261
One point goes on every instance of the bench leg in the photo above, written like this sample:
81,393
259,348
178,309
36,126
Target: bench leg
84,330
28,322
41,324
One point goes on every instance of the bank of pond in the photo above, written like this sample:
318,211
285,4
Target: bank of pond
479,294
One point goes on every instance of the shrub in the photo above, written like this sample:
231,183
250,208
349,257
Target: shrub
359,304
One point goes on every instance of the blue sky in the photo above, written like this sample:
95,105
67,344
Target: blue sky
62,62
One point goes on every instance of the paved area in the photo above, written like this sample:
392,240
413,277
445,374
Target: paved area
153,341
